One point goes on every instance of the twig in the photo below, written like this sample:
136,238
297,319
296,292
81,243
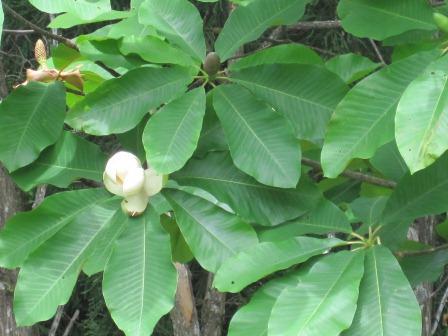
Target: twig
56,321
354,175
402,254
377,51
40,195
37,29
76,92
310,25
439,312
19,31
71,323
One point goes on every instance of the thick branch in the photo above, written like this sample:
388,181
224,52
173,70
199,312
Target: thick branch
310,25
37,29
402,254
354,175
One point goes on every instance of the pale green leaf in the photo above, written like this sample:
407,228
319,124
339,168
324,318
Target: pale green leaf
31,119
253,127
246,24
119,104
351,67
172,134
386,304
70,158
140,279
212,234
258,261
324,301
307,103
364,119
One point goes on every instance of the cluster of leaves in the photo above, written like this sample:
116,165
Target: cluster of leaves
238,200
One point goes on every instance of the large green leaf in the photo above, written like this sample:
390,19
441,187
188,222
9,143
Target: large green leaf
292,53
140,279
97,260
386,304
421,122
351,67
119,104
31,119
252,319
307,103
389,162
68,20
425,267
26,231
255,202
261,142
263,259
364,120
70,158
325,218
47,277
154,50
379,19
421,194
86,9
179,21
324,301
212,234
172,134
246,24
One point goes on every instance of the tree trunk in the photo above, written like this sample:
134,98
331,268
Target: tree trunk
12,200
213,310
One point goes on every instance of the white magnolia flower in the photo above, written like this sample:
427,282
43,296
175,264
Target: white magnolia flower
125,176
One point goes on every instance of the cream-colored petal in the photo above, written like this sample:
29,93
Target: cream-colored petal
153,182
119,164
135,205
114,188
133,182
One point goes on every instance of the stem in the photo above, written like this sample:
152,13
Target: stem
402,254
354,175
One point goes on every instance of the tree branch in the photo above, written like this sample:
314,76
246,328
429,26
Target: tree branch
69,43
354,175
402,254
19,31
310,25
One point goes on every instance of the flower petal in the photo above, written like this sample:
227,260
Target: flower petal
135,205
111,186
153,182
120,163
133,181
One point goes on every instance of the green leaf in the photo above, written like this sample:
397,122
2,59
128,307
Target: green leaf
70,158
26,231
351,67
325,218
69,20
47,277
258,261
212,234
119,104
324,301
172,134
180,251
253,127
246,24
140,280
307,103
379,19
179,21
131,141
386,304
252,319
293,53
425,267
369,209
85,9
389,162
154,50
2,18
97,260
31,119
424,193
421,121
255,202
364,119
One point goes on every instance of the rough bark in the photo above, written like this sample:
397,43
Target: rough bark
184,315
423,231
213,310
